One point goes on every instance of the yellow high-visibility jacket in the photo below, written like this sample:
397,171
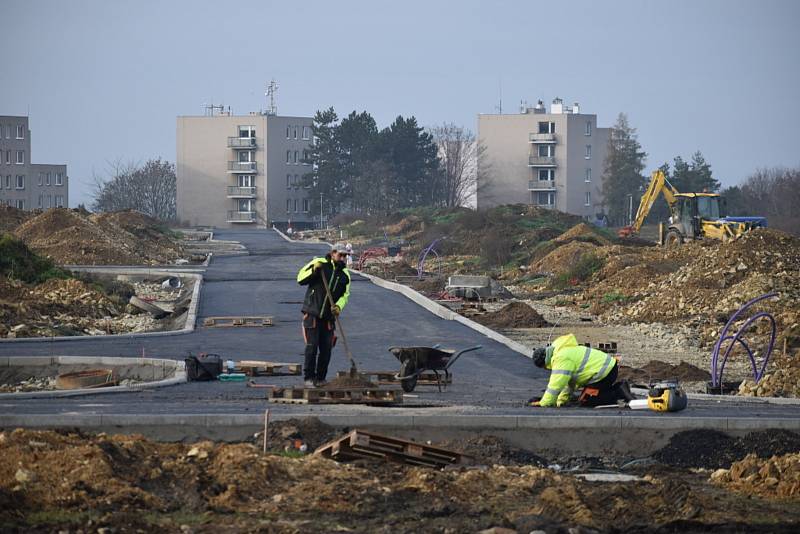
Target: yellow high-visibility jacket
572,366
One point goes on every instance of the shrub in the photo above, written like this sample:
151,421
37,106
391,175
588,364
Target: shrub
614,296
580,272
19,262
496,247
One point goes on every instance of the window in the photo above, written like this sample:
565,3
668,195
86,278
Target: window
545,198
295,136
588,130
588,177
247,132
547,151
49,201
305,205
20,204
288,135
588,152
20,157
588,200
246,156
20,131
288,156
295,205
8,181
47,179
288,181
296,158
305,158
59,178
245,205
20,181
546,174
547,127
8,131
296,181
40,201
306,132
288,205
8,157
41,179
59,201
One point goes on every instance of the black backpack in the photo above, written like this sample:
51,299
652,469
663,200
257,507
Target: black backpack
203,367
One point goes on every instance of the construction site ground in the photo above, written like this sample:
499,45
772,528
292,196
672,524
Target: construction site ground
130,483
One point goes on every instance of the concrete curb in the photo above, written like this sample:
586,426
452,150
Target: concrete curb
178,368
290,240
446,313
189,324
469,422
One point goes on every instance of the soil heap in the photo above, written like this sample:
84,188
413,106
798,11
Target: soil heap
712,449
11,218
775,477
121,238
702,283
513,315
583,231
658,370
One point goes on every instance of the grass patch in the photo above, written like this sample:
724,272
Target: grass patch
613,297
21,263
580,272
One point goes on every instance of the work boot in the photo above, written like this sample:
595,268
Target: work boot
320,383
309,384
624,390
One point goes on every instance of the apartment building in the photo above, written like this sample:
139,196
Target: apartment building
552,160
245,170
23,184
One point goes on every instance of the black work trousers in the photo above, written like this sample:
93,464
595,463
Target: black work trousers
320,337
602,392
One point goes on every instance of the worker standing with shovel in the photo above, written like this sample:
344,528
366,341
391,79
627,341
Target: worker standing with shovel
328,282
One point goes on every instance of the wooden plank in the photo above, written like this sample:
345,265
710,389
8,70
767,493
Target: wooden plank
259,368
335,396
236,321
387,378
361,444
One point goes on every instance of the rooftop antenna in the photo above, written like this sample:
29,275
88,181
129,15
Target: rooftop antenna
211,109
272,89
500,107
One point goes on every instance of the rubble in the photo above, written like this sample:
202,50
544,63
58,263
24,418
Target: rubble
512,315
71,237
781,380
777,477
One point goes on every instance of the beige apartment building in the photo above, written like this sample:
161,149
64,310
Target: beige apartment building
243,170
553,160
23,184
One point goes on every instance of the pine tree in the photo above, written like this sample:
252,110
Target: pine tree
324,179
694,176
622,173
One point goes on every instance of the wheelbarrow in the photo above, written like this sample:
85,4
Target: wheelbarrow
416,360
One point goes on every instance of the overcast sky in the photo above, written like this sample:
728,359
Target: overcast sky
104,80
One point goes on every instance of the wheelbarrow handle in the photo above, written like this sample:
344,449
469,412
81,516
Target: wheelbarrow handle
455,356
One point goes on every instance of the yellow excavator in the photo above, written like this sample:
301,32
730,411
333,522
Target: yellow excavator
693,215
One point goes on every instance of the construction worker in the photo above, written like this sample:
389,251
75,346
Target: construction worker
319,316
574,366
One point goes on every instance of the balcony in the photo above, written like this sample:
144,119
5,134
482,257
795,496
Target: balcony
541,161
241,192
540,138
542,185
241,142
242,166
241,216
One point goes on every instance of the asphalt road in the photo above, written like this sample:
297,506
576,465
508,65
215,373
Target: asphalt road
493,380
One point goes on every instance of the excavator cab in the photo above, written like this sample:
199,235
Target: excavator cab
689,211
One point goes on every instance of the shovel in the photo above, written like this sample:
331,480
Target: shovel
353,370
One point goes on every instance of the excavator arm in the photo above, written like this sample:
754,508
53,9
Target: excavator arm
658,184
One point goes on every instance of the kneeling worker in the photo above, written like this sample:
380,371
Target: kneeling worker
319,314
576,366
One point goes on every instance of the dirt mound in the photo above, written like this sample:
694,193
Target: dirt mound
11,218
406,224
776,477
492,450
658,370
702,282
563,258
309,430
513,315
712,449
583,231
123,238
782,380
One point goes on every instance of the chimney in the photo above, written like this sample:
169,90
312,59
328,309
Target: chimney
576,109
557,107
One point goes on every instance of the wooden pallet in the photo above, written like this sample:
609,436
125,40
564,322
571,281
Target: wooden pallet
238,321
335,396
387,378
360,444
258,368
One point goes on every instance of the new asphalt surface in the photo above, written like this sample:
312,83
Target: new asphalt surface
492,381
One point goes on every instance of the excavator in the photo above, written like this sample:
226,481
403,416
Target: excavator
693,215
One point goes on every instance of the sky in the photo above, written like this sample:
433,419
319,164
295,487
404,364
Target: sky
103,81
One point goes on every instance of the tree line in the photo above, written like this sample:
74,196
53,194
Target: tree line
361,169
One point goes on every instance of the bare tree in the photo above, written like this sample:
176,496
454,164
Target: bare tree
459,154
150,189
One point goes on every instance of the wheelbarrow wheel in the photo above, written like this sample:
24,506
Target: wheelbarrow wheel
407,368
